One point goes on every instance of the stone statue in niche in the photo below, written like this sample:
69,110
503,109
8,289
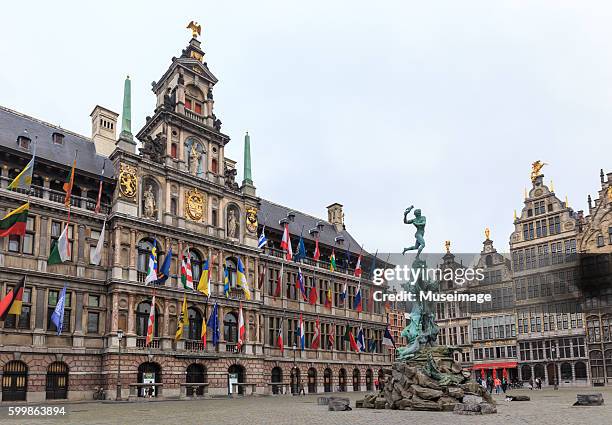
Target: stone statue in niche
150,209
232,223
194,159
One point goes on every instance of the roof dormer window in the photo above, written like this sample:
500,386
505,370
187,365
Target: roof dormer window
24,142
58,138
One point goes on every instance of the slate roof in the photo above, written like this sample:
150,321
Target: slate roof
13,124
270,213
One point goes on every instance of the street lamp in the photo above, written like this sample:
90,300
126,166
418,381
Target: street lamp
119,338
294,383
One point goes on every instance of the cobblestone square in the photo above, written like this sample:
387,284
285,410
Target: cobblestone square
546,407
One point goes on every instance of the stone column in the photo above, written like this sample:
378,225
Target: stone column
39,338
117,269
43,243
132,272
131,316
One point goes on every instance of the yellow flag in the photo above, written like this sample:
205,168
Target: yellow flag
204,283
183,320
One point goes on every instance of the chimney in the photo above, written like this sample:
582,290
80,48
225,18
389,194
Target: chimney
104,130
335,216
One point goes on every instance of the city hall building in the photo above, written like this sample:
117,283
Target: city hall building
175,191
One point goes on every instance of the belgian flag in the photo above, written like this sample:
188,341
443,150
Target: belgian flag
14,223
11,303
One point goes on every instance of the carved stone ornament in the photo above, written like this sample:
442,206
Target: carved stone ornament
127,180
194,205
251,219
154,149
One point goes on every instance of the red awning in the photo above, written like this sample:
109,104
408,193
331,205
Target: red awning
500,365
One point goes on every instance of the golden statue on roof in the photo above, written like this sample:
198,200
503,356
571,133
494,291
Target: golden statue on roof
447,245
196,29
536,167
487,233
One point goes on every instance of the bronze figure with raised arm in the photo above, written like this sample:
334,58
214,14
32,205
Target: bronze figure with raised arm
419,222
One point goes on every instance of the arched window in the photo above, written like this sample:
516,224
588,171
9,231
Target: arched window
230,263
57,381
196,265
327,380
608,362
356,378
230,328
236,374
295,380
312,380
142,319
580,370
14,381
369,375
538,371
526,372
196,374
277,376
145,246
342,380
149,373
566,372
195,324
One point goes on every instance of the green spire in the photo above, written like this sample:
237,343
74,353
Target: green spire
248,179
126,123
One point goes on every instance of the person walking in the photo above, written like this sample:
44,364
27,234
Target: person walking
497,383
531,383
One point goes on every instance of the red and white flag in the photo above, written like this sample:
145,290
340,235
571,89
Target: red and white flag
331,338
286,244
151,324
317,253
279,340
358,267
241,330
316,337
279,282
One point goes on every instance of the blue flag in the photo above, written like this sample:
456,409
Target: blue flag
300,254
262,238
164,272
58,314
226,285
213,323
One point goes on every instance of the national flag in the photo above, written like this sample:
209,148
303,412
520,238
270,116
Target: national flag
300,284
164,271
316,337
241,329
332,261
358,267
242,280
183,320
262,241
57,317
372,346
344,292
331,338
328,298
226,285
12,302
388,338
186,272
348,336
152,268
24,178
69,183
213,324
301,250
279,340
317,253
301,333
203,332
151,323
61,250
313,296
204,283
97,210
14,223
279,282
361,340
357,304
286,243
97,254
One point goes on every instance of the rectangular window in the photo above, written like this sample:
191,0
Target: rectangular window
93,322
198,108
188,104
56,231
23,244
51,302
23,320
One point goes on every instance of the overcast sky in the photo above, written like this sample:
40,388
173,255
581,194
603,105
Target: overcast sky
376,105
